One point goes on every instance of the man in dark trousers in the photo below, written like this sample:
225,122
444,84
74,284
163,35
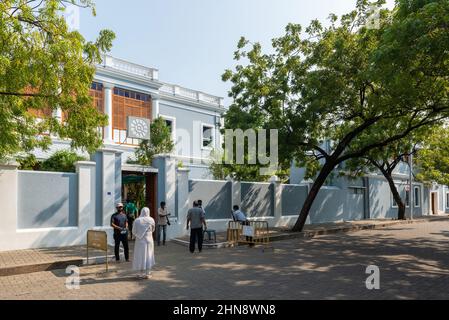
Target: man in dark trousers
195,220
119,222
131,212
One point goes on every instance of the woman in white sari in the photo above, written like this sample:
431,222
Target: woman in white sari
143,229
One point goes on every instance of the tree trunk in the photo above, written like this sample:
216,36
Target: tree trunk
318,183
396,196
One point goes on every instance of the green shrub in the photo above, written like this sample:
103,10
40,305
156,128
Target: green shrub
29,163
62,161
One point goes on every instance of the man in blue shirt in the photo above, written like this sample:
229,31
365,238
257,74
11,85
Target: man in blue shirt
239,215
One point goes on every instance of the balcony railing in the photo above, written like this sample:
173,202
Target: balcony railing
130,67
153,74
178,91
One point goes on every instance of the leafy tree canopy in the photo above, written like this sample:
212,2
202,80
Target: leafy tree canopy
43,66
432,159
346,83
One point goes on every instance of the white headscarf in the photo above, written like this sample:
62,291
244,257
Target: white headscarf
143,223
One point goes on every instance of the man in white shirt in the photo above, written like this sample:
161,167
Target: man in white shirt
241,217
162,223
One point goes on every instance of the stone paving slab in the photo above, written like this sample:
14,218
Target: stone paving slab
310,231
412,259
46,259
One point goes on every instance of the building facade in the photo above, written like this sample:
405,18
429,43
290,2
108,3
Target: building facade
373,198
122,89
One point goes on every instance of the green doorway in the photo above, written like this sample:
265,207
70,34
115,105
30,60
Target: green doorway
141,187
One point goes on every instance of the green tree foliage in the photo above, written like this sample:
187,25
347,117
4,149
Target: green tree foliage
345,83
220,168
241,172
432,159
43,66
61,161
136,192
160,142
29,162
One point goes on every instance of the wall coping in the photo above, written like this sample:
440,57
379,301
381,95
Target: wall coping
11,165
139,168
164,156
85,163
110,150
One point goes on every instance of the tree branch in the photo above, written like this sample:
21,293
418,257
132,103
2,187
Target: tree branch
397,137
17,94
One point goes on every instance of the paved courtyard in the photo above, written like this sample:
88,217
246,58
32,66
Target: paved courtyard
413,261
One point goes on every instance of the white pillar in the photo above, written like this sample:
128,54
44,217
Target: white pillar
277,197
86,194
220,135
308,220
183,198
170,182
236,191
8,198
108,183
154,106
108,111
57,114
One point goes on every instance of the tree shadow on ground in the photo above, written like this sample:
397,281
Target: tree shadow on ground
327,267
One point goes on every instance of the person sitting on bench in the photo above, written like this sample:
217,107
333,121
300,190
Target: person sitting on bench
241,217
238,214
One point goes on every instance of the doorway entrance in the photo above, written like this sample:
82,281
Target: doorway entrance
434,203
141,188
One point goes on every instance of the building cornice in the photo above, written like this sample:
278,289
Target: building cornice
191,102
111,74
133,76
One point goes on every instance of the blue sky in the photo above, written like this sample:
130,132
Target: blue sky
192,42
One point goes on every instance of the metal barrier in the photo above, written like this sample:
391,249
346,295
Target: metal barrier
248,232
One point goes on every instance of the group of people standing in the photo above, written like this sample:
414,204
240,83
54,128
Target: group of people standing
142,229
126,223
127,226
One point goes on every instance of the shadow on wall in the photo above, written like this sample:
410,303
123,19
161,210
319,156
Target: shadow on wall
328,206
257,199
293,197
50,212
380,204
47,200
216,196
